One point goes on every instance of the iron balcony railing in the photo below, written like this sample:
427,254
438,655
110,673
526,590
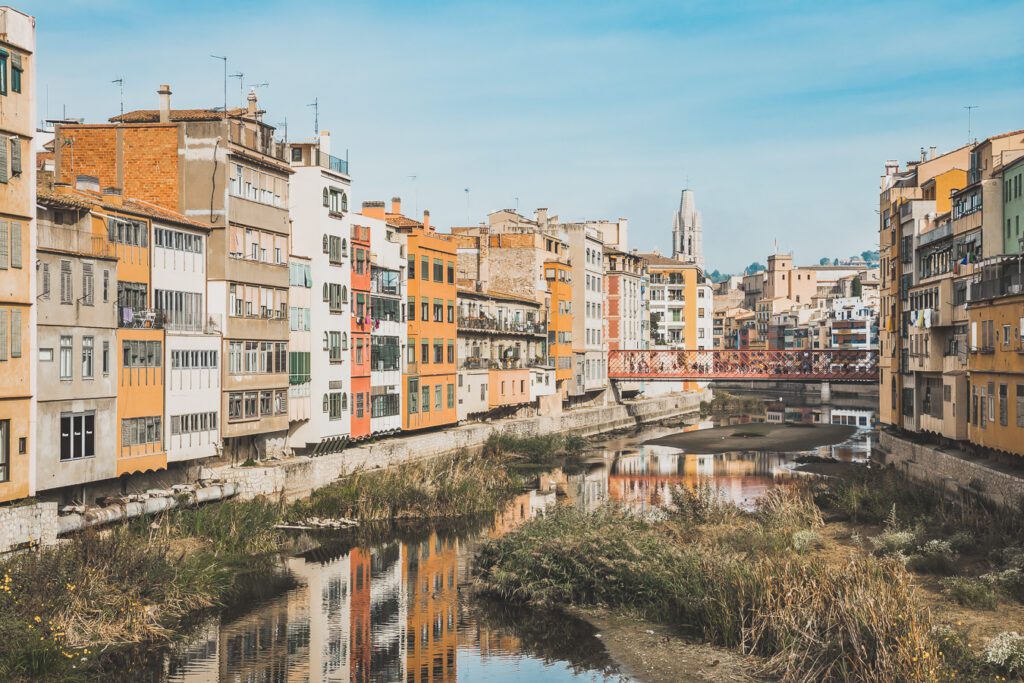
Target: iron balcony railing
503,326
1008,284
140,318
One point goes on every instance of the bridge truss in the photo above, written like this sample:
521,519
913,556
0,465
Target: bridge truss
831,365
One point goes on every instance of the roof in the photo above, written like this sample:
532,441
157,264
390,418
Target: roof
399,220
85,201
659,260
492,294
153,115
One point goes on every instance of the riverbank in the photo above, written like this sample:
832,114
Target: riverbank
94,605
846,599
759,436
40,524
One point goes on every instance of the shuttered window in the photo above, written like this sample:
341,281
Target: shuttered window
5,246
15,155
87,284
65,282
15,333
46,281
3,160
15,245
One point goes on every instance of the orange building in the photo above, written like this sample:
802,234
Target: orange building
361,328
17,254
430,376
560,317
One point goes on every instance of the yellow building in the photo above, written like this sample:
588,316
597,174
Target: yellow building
995,306
17,254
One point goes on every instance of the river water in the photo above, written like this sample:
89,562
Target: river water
394,611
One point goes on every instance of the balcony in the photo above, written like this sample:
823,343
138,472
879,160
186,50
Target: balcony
332,163
496,326
69,240
1007,284
134,318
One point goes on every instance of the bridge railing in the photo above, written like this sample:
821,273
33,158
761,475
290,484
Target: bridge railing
693,364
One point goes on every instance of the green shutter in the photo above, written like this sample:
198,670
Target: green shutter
15,245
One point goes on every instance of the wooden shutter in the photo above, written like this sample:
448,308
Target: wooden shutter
4,245
46,281
3,160
3,334
15,155
15,245
15,333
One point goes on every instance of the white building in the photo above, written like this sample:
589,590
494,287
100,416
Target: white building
192,341
590,349
388,334
705,315
320,310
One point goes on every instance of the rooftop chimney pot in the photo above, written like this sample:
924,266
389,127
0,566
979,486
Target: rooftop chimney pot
396,205
165,103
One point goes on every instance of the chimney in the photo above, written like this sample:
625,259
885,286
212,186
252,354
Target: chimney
87,183
374,209
426,220
931,152
250,108
892,167
924,155
541,215
396,205
165,103
325,141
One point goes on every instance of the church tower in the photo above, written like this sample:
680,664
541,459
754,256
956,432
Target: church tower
687,232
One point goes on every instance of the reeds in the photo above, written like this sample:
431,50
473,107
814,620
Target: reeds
736,580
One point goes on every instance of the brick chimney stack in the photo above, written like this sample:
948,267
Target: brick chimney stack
396,205
251,103
426,220
165,103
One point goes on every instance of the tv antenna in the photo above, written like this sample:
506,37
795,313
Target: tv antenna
415,194
241,89
284,126
225,60
120,83
970,108
316,116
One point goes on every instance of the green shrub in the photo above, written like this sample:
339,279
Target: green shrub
934,557
893,542
969,592
1006,651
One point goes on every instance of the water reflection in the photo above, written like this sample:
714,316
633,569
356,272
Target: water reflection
393,611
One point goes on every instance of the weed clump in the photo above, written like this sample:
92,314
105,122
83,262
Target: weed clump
971,592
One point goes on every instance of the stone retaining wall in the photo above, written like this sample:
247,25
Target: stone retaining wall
954,472
299,476
26,526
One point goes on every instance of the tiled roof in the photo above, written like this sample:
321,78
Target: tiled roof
659,260
401,221
153,115
74,199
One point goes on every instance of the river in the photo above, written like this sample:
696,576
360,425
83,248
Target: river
394,611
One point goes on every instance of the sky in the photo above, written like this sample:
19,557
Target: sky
779,115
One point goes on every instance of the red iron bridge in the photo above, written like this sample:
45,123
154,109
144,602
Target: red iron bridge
817,365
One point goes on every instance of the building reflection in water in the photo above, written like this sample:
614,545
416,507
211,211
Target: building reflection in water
391,612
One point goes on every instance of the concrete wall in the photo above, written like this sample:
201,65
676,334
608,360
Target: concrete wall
25,526
952,471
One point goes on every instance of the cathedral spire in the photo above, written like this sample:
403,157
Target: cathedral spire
687,231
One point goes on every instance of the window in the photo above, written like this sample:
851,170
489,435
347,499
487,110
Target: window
65,358
297,155
266,403
410,308
66,293
1004,404
16,73
425,394
5,450
137,431
360,404
3,83
1020,405
334,346
141,354
451,395
414,394
437,397
334,405
438,270
87,357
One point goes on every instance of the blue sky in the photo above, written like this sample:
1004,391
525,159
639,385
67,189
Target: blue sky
781,113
